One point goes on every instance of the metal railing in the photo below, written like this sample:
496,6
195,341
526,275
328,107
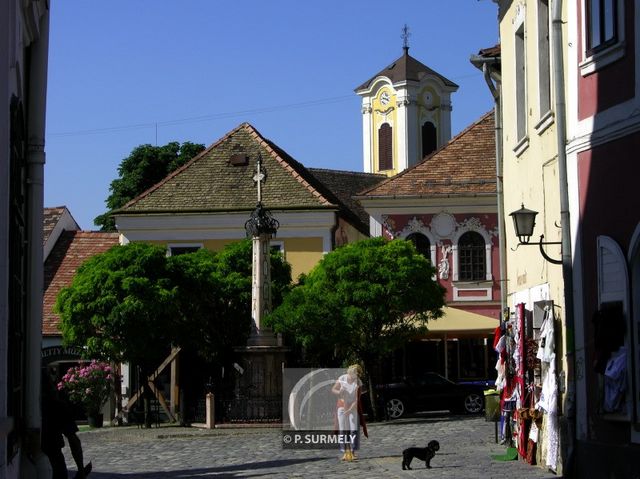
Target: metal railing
249,410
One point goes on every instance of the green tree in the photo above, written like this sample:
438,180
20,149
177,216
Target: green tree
132,303
361,301
120,304
145,166
228,274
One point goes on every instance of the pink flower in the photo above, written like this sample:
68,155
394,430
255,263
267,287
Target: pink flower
90,384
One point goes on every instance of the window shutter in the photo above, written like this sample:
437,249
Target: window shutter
385,147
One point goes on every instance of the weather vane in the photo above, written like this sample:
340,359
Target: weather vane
405,38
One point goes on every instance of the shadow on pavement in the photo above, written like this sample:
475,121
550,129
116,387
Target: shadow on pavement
223,471
426,418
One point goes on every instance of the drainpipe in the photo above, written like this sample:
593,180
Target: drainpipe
37,91
493,80
567,264
495,91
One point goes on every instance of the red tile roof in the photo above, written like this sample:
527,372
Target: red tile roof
71,250
466,166
490,52
51,217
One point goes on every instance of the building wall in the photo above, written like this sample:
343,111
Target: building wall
460,292
384,113
302,253
603,149
604,184
305,236
23,26
530,162
615,82
530,166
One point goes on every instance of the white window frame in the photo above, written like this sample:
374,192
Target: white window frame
487,246
634,266
404,234
520,77
280,245
613,286
597,60
544,69
544,57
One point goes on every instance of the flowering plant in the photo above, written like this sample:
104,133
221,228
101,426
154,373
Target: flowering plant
88,384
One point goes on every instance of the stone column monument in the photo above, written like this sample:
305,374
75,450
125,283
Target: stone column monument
261,226
260,384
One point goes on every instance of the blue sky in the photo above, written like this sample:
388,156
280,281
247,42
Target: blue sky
124,73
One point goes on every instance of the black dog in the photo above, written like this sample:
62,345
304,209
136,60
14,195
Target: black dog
423,453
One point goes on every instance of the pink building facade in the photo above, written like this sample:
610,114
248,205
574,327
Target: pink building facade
603,148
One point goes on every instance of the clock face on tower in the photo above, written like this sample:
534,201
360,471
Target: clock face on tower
384,98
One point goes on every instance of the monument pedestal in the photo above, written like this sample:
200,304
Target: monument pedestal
259,387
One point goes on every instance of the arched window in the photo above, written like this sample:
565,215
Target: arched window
422,244
429,138
472,259
385,147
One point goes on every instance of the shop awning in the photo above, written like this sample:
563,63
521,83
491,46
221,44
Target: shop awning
459,322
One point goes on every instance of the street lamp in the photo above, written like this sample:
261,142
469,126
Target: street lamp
524,220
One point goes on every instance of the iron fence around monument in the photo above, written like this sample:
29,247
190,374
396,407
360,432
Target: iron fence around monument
248,409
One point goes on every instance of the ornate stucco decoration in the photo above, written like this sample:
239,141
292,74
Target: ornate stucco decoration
414,225
385,114
443,265
443,224
389,225
474,224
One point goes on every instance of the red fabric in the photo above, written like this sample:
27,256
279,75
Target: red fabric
496,337
361,419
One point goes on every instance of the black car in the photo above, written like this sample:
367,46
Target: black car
430,392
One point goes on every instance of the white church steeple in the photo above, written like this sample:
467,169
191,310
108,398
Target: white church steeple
406,114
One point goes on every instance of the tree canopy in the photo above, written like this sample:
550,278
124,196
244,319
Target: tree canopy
145,166
361,301
133,302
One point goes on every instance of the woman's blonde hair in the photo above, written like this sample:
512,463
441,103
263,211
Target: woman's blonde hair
355,368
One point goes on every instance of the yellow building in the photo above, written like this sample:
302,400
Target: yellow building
207,202
534,177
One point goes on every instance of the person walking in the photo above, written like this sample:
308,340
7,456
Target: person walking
349,412
58,423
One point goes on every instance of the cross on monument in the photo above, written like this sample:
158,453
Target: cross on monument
259,177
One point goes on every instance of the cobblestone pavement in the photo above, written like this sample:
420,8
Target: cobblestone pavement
466,446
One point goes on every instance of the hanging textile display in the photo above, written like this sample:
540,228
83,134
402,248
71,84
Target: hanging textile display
548,400
527,381
519,358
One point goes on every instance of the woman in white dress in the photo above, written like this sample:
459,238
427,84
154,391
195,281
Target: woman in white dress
349,409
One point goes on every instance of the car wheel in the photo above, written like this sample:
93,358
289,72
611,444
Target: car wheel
395,408
473,403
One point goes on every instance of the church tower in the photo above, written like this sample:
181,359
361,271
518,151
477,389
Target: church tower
406,114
